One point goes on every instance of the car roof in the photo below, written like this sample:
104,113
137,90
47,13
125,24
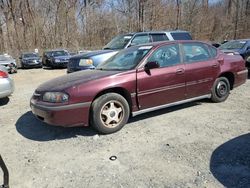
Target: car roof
55,50
156,32
159,43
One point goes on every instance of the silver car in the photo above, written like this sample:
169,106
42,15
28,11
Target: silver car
9,63
6,83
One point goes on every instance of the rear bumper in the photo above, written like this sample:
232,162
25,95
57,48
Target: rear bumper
6,87
66,115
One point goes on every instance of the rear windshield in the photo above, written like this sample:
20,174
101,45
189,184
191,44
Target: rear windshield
181,36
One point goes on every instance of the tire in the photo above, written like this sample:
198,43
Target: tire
220,90
109,113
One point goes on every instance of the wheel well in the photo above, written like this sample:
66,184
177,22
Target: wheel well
230,77
123,92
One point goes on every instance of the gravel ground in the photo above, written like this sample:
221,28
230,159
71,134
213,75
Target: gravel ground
199,144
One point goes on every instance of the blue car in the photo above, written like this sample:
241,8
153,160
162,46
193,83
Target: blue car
56,58
30,60
238,47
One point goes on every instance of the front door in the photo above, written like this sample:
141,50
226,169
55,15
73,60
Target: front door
165,84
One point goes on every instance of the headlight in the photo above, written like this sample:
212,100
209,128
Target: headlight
55,97
85,62
57,60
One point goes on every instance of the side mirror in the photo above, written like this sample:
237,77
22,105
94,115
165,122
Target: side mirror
151,65
248,48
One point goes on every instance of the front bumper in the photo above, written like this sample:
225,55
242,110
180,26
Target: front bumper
71,115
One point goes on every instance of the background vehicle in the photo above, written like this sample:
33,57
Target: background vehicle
9,63
30,60
6,83
238,47
137,80
55,58
92,59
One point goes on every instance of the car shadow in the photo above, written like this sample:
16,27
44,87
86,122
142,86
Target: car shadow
230,162
4,101
54,68
167,110
32,128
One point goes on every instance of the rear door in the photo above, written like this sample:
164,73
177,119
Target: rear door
202,68
162,85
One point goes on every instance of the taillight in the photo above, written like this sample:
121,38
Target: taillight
3,74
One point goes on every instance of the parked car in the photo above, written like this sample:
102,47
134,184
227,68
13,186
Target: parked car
238,47
30,60
137,80
55,58
92,59
9,63
6,83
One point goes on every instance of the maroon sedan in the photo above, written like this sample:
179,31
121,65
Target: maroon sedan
137,80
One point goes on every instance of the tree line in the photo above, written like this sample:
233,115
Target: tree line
89,24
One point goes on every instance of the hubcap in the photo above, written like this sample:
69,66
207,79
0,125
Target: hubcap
221,89
112,114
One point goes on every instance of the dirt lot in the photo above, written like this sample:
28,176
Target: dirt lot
199,144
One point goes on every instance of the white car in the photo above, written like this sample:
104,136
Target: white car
9,63
6,83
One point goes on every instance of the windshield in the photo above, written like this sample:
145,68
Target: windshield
4,58
126,59
232,45
30,55
118,42
57,53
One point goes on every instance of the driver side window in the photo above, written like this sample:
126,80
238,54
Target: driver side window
140,39
166,56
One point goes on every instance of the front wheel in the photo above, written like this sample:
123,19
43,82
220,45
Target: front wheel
109,113
220,90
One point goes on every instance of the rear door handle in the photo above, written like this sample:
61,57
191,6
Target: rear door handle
180,71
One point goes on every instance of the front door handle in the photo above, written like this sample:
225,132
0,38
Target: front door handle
215,65
180,71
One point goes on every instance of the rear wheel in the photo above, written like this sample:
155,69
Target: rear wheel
220,90
110,112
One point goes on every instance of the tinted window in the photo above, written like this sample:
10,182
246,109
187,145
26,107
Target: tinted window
30,55
181,36
141,39
159,37
166,56
118,42
194,52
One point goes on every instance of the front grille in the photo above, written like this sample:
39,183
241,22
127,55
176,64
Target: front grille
73,63
37,96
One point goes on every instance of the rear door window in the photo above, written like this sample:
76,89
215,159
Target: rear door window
181,36
195,52
159,37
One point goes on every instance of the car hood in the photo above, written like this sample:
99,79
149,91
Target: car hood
231,50
63,82
31,58
91,54
61,57
7,62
